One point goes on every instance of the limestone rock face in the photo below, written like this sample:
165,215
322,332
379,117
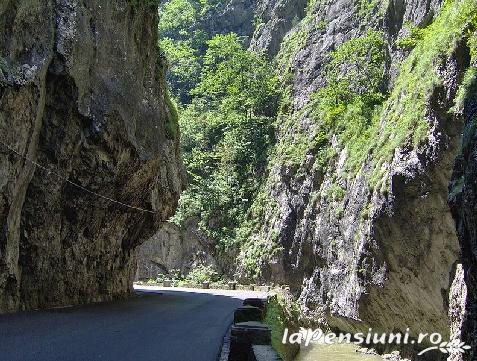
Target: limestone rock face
277,19
376,260
81,94
382,258
463,200
457,311
231,16
171,248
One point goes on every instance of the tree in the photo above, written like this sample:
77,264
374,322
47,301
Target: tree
237,79
227,131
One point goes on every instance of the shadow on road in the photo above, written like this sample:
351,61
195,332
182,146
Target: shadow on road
156,324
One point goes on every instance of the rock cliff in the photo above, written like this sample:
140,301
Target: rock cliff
462,198
172,248
352,209
370,242
82,95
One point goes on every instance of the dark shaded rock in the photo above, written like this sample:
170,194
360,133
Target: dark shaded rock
84,97
463,201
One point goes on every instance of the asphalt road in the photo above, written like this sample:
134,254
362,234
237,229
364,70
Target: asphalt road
162,325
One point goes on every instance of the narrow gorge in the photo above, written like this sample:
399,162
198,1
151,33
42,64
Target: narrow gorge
364,201
326,147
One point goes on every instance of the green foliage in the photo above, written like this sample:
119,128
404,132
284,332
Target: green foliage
175,276
255,254
365,212
201,274
293,42
177,16
354,106
172,116
184,39
405,111
161,66
159,278
226,134
347,106
470,76
184,64
236,79
409,41
283,313
228,97
472,43
355,70
336,192
369,10
224,157
296,39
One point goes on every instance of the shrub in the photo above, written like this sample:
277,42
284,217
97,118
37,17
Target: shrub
201,274
283,312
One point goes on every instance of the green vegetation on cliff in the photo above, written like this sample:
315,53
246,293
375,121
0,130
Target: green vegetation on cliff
283,313
347,106
236,127
405,112
184,39
355,106
226,133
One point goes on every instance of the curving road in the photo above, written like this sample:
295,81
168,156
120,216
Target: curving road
159,324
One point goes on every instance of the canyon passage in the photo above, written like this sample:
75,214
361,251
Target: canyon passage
319,154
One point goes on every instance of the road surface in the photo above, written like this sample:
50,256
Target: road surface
159,324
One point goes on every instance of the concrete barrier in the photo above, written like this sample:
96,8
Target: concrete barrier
248,313
245,334
256,302
264,353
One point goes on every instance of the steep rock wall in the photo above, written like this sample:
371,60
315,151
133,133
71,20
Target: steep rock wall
172,248
371,255
276,18
463,201
81,93
235,16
